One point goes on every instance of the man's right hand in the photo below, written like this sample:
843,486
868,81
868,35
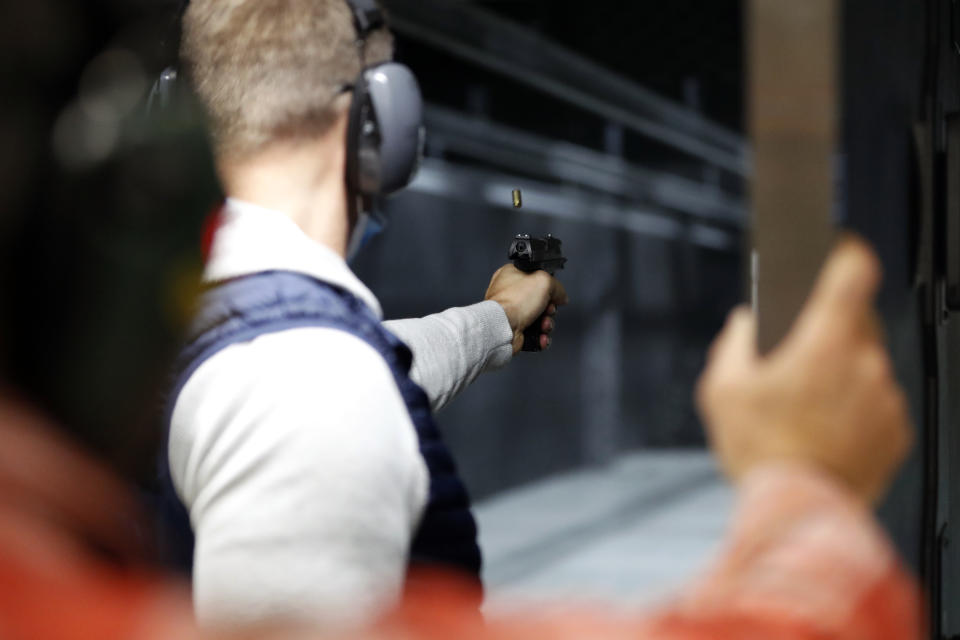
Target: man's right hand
825,396
524,298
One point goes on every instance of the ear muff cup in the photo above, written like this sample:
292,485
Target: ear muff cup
385,132
363,144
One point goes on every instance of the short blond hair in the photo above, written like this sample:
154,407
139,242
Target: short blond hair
270,70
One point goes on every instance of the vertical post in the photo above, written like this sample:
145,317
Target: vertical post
793,103
602,368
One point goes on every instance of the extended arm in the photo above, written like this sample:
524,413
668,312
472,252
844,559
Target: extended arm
452,348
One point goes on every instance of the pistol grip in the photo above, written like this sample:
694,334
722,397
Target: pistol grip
531,336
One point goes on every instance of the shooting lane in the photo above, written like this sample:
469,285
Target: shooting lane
648,194
645,187
588,459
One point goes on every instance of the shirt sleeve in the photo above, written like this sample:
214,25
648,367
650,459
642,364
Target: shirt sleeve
804,559
297,460
452,348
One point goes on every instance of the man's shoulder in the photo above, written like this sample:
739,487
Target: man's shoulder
303,399
281,326
308,377
266,295
243,310
328,352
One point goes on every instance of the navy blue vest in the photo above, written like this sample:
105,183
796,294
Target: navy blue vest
242,309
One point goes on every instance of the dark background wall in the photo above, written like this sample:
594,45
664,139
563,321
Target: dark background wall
644,308
660,300
884,77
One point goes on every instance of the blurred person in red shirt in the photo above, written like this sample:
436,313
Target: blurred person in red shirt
811,434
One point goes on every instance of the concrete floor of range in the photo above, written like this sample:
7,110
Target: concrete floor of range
626,535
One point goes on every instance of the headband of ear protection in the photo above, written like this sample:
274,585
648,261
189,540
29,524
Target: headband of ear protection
385,133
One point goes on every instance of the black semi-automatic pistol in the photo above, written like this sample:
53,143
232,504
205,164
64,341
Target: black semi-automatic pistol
534,254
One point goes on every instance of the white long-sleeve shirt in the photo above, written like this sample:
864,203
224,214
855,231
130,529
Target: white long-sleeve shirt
295,454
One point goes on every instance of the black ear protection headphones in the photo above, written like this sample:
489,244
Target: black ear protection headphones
385,133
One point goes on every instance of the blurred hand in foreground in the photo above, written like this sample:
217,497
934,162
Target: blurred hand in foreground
825,396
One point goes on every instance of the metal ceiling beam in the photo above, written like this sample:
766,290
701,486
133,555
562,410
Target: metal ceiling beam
490,188
514,51
531,155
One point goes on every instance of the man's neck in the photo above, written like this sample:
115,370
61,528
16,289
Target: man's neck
304,182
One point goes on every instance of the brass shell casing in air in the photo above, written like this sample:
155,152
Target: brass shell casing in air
517,198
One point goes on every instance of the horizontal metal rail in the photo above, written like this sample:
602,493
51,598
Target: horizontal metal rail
516,52
491,188
531,155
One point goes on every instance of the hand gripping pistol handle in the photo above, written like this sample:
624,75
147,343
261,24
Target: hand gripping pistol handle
535,254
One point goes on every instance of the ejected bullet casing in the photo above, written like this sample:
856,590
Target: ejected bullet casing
517,198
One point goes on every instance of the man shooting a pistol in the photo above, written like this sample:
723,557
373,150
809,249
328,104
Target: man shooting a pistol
302,443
